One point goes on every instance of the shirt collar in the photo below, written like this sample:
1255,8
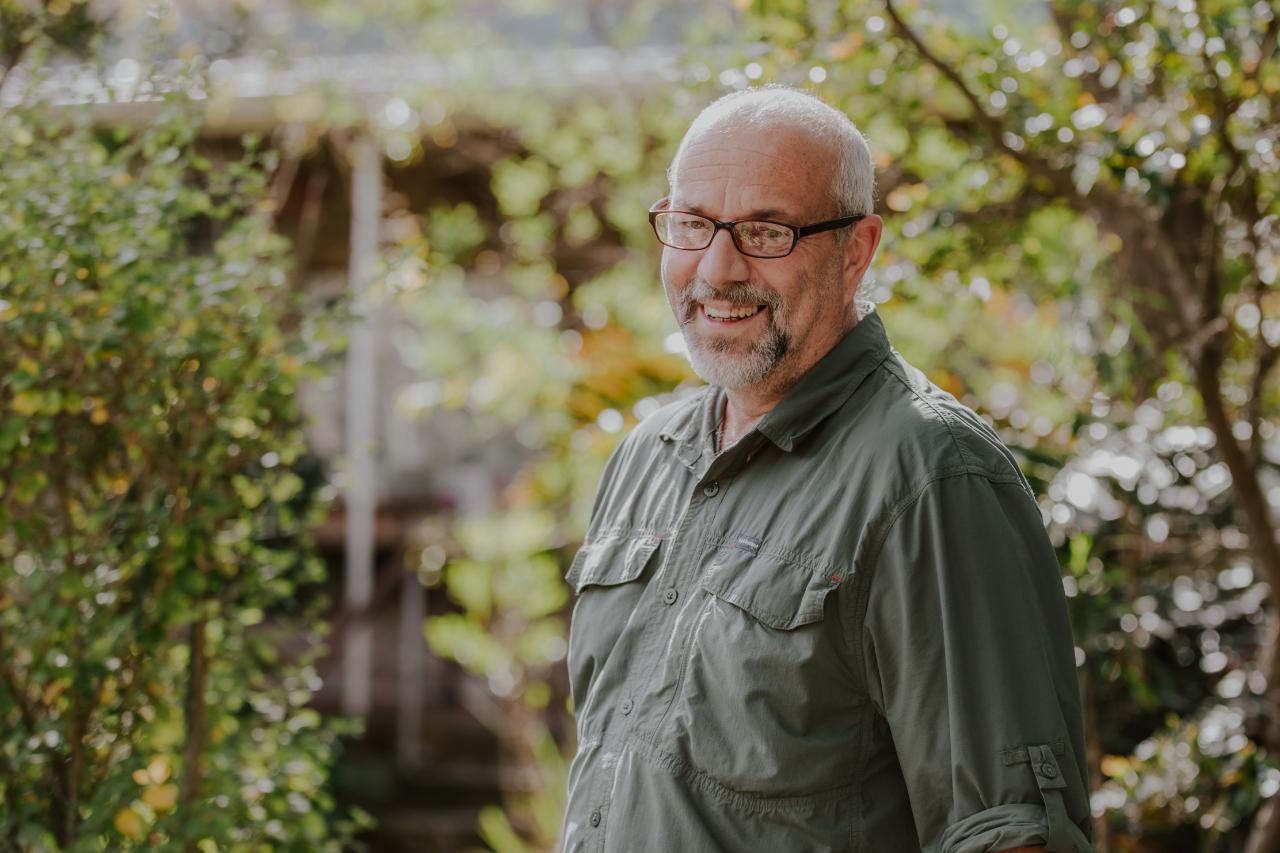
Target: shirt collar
818,394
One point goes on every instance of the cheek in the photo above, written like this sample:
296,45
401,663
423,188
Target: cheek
676,272
678,267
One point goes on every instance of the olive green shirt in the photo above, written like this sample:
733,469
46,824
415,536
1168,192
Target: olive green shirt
846,632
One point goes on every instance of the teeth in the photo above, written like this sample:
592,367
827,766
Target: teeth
736,313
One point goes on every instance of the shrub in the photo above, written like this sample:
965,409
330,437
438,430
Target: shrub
152,514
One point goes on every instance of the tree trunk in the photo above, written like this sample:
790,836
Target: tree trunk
1252,504
196,713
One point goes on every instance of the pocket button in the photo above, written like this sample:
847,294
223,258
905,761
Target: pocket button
670,596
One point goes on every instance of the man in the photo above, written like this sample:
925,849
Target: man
817,608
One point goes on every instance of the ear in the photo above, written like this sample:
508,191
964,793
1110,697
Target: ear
859,250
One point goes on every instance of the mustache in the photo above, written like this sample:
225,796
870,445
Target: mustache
744,294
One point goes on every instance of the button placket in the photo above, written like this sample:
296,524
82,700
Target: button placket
666,619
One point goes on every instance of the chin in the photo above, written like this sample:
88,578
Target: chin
728,370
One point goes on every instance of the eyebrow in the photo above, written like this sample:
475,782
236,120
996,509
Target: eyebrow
760,213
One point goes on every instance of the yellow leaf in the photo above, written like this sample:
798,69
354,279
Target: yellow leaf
129,823
25,403
51,692
158,769
899,200
141,777
1114,766
845,47
161,797
99,416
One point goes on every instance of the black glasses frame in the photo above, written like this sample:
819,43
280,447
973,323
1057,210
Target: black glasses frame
797,231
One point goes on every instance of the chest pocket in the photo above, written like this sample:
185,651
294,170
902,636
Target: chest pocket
778,593
764,703
606,575
610,561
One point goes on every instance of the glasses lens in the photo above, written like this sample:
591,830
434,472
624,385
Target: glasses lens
684,230
764,239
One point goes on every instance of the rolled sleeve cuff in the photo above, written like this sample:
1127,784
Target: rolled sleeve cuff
1007,827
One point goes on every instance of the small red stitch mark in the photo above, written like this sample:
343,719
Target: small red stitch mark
835,579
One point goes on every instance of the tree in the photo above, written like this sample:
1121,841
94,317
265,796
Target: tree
153,516
1152,127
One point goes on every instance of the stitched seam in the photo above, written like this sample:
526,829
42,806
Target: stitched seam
1021,755
778,622
682,674
794,557
622,531
802,432
748,800
805,611
624,575
942,416
867,575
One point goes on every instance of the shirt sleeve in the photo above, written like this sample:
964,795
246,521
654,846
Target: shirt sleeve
969,657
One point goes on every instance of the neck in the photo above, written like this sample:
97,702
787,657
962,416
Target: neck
742,411
746,406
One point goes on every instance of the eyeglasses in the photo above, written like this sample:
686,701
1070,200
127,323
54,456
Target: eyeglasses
755,238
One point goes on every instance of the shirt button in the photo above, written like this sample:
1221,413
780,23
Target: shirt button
595,818
670,596
627,706
711,489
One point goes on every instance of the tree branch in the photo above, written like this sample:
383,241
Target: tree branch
1122,213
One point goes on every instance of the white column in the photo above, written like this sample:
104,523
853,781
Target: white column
361,400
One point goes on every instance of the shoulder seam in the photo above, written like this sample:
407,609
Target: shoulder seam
942,416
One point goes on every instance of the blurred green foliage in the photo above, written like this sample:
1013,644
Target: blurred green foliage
152,513
1081,244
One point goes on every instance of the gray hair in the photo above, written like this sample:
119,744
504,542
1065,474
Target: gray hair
853,183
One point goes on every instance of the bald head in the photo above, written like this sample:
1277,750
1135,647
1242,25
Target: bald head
826,133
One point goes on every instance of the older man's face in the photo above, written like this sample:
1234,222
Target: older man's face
752,322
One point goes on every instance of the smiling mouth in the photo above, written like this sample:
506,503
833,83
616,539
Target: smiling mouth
734,314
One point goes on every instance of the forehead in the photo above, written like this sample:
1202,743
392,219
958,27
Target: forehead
730,171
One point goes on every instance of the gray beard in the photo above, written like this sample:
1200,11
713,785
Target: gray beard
719,364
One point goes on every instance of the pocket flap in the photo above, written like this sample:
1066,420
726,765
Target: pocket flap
778,593
611,561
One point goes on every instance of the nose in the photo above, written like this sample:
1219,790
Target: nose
721,262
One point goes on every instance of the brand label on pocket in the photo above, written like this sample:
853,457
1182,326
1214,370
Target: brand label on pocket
750,544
